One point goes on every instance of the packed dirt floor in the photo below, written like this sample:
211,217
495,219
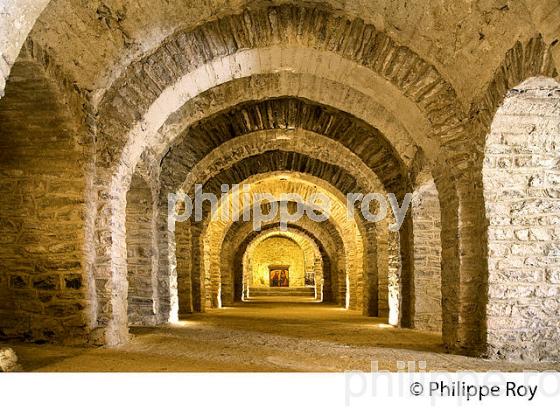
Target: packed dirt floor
272,335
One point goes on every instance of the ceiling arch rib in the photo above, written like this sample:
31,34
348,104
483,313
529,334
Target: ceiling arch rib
301,118
287,85
421,85
241,233
296,27
286,140
281,161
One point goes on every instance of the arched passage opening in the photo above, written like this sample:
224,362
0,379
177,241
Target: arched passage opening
45,293
324,239
279,265
350,289
311,279
521,180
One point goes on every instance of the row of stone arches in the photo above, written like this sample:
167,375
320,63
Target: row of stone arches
165,115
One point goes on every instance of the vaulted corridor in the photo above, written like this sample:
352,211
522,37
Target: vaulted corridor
168,166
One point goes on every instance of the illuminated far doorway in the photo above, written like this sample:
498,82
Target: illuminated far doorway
279,276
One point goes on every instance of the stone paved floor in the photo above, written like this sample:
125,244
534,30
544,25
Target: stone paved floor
280,336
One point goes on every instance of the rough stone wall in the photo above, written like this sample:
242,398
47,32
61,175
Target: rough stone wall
312,261
522,190
183,258
465,271
43,288
329,245
139,244
426,216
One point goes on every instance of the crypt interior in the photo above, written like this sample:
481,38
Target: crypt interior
108,106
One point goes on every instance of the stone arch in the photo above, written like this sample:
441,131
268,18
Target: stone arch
186,264
321,239
116,204
262,119
253,143
520,176
328,233
132,152
464,271
305,186
524,60
116,241
373,291
362,46
284,138
312,260
122,177
16,21
45,293
311,144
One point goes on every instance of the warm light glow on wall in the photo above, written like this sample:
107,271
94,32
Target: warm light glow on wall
393,309
277,251
306,186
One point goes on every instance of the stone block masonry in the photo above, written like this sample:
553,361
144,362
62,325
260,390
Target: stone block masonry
522,193
42,285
